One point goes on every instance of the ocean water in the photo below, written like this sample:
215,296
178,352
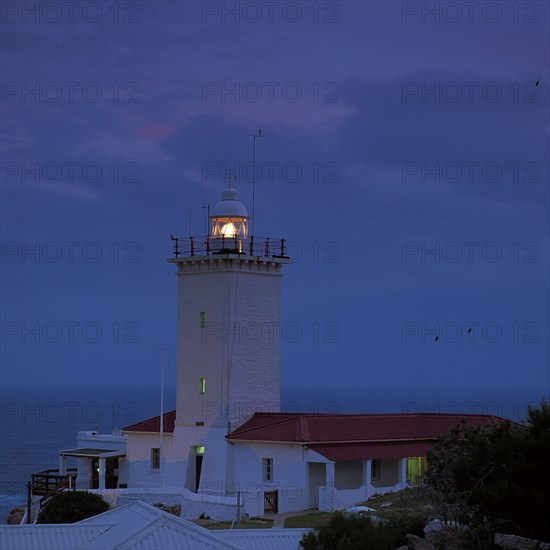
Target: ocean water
38,422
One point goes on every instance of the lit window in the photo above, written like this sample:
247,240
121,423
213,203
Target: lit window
203,319
268,469
202,385
155,458
199,450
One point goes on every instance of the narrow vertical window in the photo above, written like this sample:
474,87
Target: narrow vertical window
202,385
155,458
268,469
203,319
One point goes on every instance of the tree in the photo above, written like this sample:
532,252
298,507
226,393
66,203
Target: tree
72,506
495,478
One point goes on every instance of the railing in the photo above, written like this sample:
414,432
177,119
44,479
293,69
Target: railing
48,482
208,246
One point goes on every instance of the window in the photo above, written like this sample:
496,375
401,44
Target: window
268,469
202,385
375,469
203,319
155,458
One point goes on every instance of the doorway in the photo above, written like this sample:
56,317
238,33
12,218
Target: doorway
199,455
317,473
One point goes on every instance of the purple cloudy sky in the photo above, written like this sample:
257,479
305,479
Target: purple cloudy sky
366,99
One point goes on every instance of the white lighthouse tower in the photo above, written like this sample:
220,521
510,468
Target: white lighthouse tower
228,341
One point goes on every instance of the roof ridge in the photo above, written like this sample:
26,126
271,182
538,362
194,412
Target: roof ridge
152,419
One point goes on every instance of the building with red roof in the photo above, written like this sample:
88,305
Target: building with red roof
227,442
290,461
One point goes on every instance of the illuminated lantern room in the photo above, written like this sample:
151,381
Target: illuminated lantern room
229,218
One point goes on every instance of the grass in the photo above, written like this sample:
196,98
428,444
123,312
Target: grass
308,520
391,505
245,524
401,502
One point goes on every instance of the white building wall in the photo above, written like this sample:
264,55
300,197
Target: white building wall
290,473
237,349
138,455
389,473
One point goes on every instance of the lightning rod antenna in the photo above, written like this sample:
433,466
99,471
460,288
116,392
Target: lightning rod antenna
254,136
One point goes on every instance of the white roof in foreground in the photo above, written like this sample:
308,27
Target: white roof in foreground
264,539
41,537
140,526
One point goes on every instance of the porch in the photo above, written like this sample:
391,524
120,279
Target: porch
97,468
338,485
48,482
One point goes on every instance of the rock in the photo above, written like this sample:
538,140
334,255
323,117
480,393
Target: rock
16,515
418,543
403,548
445,536
359,510
513,542
175,509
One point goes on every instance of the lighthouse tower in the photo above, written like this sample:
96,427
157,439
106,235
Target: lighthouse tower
228,339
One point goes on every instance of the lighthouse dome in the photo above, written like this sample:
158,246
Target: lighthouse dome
230,206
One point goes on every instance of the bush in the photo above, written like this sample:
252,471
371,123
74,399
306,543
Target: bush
495,479
72,506
361,533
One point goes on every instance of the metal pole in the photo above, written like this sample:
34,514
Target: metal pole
254,136
238,509
29,502
161,435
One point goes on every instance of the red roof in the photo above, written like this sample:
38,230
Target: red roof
153,424
373,451
357,436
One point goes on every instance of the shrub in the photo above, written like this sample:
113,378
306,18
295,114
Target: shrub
361,533
72,506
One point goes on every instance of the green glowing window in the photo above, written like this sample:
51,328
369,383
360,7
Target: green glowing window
202,385
199,450
203,319
416,468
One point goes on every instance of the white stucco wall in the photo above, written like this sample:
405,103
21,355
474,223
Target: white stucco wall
348,475
389,473
290,473
138,454
238,349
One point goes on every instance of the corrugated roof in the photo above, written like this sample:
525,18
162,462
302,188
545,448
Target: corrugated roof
44,537
338,452
264,539
332,428
89,453
153,424
140,526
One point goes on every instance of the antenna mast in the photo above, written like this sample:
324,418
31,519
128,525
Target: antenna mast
254,136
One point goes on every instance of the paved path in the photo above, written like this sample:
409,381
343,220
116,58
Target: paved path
279,519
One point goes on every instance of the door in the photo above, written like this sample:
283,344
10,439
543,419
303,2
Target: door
198,468
271,502
95,473
111,473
